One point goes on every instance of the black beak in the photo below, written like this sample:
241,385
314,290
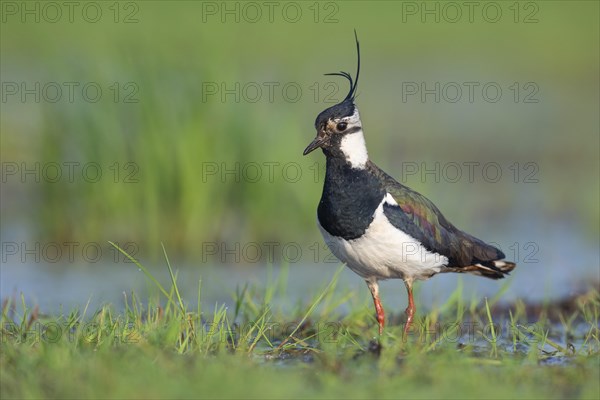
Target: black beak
319,140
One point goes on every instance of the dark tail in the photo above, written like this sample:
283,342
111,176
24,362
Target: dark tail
490,269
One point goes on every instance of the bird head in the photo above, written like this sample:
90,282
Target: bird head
339,126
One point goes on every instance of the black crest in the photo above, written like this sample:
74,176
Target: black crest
345,107
353,83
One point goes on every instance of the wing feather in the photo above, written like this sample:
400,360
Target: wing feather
419,217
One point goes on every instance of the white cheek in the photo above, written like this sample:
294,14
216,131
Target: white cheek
355,149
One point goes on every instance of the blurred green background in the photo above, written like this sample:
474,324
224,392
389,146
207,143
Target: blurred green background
164,140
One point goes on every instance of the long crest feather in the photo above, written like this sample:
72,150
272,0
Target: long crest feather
353,83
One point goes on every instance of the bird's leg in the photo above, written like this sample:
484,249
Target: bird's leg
410,310
374,288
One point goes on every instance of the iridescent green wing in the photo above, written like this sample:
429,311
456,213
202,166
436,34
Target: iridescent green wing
418,217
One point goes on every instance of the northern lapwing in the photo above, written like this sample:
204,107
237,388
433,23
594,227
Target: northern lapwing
380,228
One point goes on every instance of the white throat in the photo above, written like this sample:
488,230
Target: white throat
355,149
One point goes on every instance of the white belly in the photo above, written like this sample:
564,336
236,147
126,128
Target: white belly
385,252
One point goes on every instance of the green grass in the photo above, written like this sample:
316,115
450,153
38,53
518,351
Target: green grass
164,347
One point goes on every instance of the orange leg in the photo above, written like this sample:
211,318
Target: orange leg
374,288
410,310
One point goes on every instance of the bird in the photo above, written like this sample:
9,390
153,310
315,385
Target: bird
380,228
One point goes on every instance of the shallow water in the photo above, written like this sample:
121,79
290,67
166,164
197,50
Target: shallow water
474,340
554,260
53,287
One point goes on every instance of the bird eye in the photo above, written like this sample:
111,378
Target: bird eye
342,126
